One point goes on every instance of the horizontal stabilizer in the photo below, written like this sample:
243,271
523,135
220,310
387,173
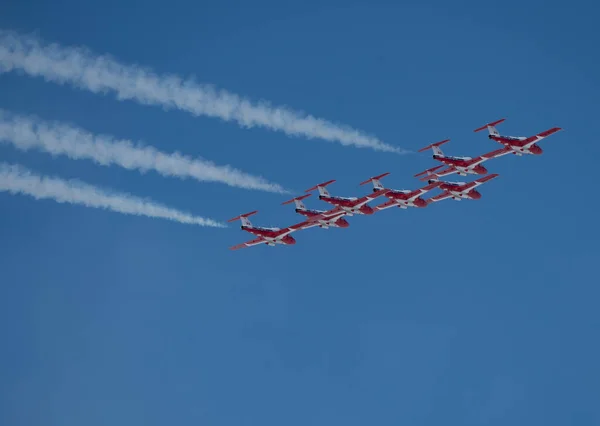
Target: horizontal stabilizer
433,169
302,197
489,125
434,144
324,184
243,215
374,178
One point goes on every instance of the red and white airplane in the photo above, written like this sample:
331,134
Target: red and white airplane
402,198
268,236
459,190
350,205
460,165
324,219
519,145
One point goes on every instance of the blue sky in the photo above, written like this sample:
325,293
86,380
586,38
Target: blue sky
469,313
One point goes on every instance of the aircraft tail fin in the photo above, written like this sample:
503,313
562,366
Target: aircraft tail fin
491,127
377,185
435,147
298,201
244,218
321,187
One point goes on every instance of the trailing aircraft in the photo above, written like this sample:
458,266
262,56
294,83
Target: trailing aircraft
519,145
402,198
268,236
460,190
460,165
350,205
324,219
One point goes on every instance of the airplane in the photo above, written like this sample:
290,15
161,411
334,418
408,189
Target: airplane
324,219
459,190
268,236
402,198
460,165
518,144
350,205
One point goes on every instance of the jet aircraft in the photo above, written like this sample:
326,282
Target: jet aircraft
402,198
519,145
350,205
460,165
324,219
268,236
460,190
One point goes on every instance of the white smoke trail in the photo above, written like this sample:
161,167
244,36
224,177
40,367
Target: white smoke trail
19,180
100,74
59,139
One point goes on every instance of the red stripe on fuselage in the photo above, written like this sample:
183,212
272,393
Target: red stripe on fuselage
454,161
339,201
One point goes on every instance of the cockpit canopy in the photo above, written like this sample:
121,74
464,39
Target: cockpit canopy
265,228
460,158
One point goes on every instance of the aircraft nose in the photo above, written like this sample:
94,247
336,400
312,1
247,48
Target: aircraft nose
367,210
419,202
536,150
342,223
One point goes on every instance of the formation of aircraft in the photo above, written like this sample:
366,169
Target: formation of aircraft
401,198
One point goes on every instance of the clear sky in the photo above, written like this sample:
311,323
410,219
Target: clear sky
464,313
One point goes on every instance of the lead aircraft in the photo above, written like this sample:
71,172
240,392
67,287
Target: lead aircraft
350,205
268,236
519,145
402,198
324,219
460,190
460,165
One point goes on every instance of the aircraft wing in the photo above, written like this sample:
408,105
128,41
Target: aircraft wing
526,143
296,227
386,205
494,154
256,241
440,197
476,183
417,193
328,215
447,171
334,216
364,200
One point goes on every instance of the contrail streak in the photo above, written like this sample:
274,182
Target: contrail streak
100,74
19,180
60,139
